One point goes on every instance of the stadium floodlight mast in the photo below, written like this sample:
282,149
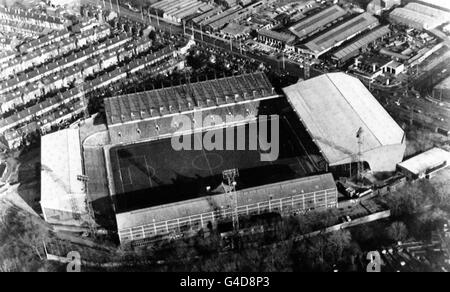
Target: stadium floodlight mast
359,136
88,206
230,176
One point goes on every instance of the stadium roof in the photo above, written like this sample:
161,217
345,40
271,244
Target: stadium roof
202,205
365,40
333,107
317,21
341,33
425,161
187,97
61,164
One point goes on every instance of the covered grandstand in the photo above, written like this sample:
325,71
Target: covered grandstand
315,192
149,115
338,35
63,195
353,49
317,22
333,120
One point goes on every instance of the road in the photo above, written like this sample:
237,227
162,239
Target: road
442,36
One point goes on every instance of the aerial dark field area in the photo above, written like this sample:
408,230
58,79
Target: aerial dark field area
153,173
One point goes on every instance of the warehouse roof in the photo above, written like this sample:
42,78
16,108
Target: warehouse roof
221,15
317,21
282,37
413,17
61,164
183,98
365,40
341,33
444,84
333,107
206,15
429,11
442,4
425,161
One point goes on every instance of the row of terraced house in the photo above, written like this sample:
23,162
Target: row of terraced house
32,18
42,50
35,114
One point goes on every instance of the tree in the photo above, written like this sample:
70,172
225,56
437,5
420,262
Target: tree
21,241
397,231
338,241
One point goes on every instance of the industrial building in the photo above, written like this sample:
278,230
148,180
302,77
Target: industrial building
233,14
441,15
317,22
376,7
440,4
354,49
205,16
219,15
425,164
148,115
338,35
178,10
286,198
441,91
368,68
421,17
276,39
334,119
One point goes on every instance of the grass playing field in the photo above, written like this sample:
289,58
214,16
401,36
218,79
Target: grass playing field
153,173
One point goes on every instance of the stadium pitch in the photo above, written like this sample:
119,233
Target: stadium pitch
153,173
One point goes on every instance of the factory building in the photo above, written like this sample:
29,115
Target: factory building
178,10
376,7
338,35
205,16
439,4
420,16
286,198
356,47
317,22
334,119
233,14
276,39
441,91
425,164
368,68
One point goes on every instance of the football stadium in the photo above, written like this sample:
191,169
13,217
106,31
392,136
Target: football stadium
131,169
146,172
